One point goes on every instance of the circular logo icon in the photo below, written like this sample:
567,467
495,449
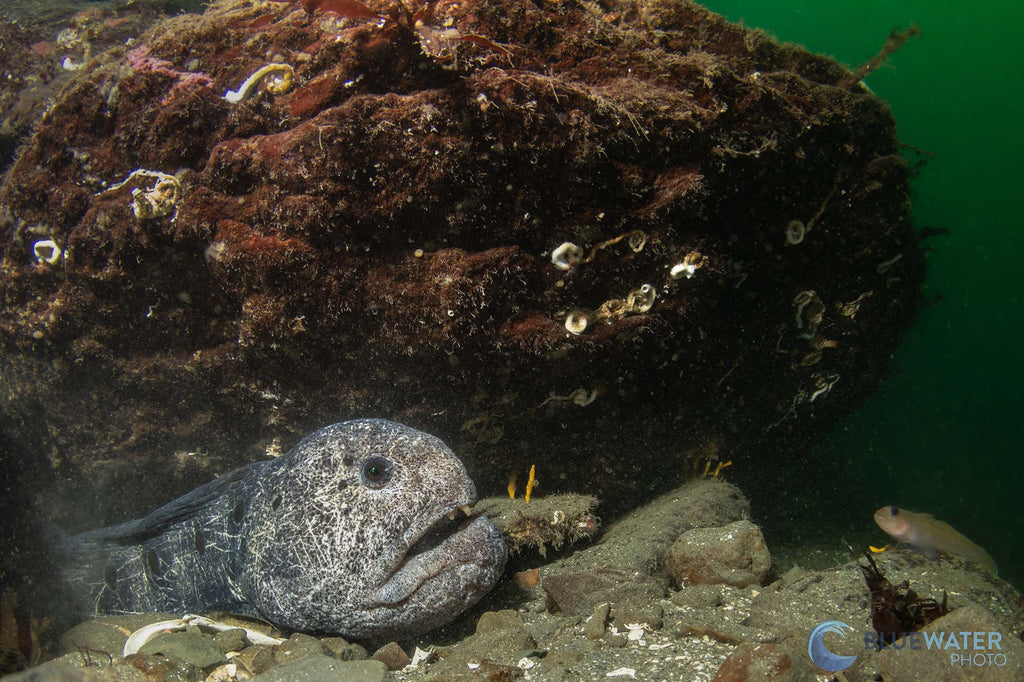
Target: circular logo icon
822,657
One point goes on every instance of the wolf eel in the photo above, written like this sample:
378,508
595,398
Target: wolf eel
352,532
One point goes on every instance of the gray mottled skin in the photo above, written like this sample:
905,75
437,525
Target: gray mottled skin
308,541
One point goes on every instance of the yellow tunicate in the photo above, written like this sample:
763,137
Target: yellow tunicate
511,486
530,481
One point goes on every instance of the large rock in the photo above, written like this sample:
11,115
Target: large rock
378,241
762,662
628,564
978,601
734,554
981,649
45,43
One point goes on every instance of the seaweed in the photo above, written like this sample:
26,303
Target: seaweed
896,609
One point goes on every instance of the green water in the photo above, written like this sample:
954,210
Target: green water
943,435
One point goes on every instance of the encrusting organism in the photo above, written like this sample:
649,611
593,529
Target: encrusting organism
47,251
580,396
279,79
576,321
810,312
141,60
638,300
822,386
437,42
551,521
154,202
886,265
641,299
635,239
566,255
688,268
795,232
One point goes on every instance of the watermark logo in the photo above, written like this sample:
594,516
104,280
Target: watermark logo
966,649
822,657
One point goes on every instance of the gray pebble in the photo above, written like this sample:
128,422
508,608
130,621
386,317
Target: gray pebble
344,650
318,668
191,646
231,640
391,655
299,646
255,659
616,640
625,613
594,627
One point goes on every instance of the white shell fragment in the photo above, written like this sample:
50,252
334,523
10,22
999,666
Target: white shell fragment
636,631
144,634
419,657
680,270
576,322
566,255
693,262
47,251
795,231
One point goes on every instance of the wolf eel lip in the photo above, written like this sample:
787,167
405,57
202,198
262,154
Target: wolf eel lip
440,545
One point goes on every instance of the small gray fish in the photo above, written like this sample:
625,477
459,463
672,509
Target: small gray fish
352,532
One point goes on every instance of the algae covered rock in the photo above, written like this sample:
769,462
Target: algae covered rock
734,554
614,241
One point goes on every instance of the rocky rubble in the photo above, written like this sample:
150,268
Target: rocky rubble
610,610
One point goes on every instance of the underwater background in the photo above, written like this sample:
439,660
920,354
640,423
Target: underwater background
938,436
943,434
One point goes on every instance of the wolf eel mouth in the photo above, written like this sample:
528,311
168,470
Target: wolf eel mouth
442,543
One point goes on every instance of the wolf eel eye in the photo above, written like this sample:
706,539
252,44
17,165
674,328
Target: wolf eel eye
376,472
894,510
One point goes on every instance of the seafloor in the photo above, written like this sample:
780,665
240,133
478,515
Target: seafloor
680,589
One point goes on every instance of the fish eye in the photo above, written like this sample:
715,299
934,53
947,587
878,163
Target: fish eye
377,472
894,510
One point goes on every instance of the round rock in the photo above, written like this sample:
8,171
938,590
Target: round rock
735,555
